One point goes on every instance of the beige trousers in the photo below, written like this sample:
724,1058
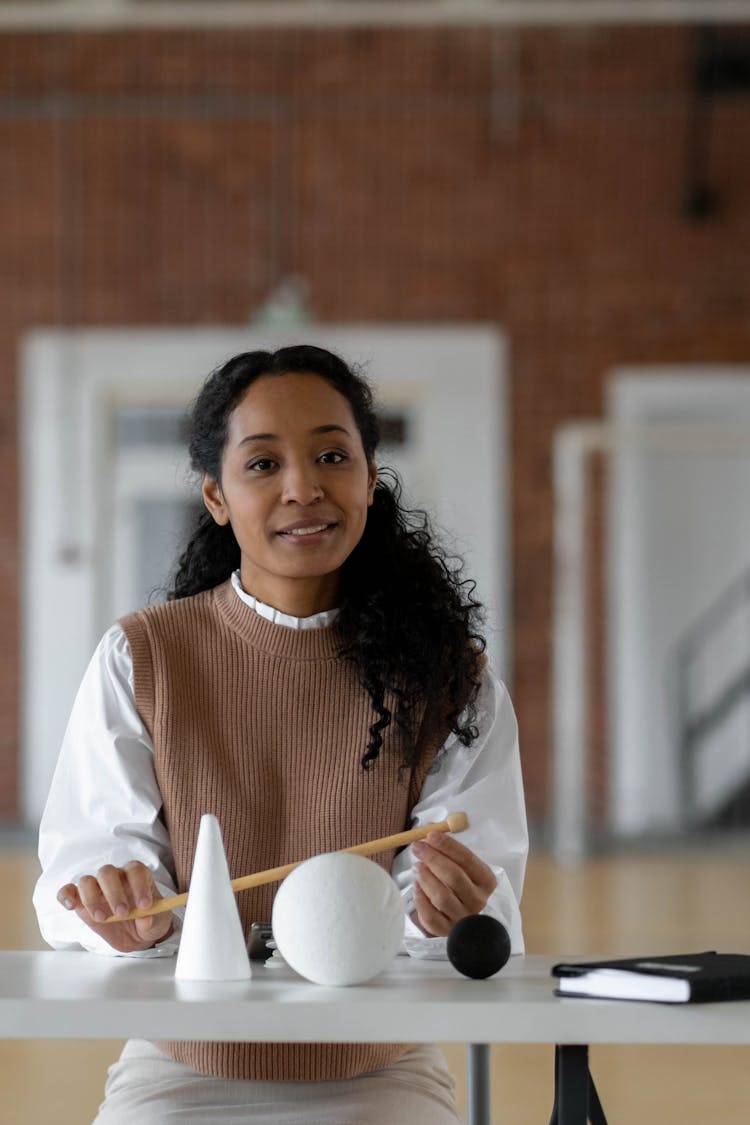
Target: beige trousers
148,1087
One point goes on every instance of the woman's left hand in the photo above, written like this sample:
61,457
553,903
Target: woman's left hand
451,882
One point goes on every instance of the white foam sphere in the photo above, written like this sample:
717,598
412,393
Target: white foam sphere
337,919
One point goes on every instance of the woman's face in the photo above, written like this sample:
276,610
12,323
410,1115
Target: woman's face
295,486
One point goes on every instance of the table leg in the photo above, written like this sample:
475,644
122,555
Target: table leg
573,1084
478,1060
576,1099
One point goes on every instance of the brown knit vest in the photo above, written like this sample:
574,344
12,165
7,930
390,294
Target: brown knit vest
263,726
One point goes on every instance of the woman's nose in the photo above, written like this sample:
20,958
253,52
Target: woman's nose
301,485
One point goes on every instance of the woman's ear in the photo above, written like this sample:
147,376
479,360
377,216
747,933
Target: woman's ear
372,477
213,498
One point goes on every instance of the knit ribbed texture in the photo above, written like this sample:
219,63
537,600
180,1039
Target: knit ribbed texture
264,727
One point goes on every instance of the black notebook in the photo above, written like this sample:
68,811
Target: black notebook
684,978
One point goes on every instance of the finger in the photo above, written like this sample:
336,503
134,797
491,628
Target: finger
144,892
93,904
68,897
142,889
115,888
477,870
442,896
448,886
460,867
127,937
455,900
429,918
155,928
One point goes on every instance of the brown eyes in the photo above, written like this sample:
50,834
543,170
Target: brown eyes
266,464
332,457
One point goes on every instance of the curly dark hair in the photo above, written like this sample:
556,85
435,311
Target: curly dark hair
408,619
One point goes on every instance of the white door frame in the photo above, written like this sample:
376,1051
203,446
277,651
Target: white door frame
710,407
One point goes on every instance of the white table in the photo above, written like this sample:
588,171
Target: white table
79,995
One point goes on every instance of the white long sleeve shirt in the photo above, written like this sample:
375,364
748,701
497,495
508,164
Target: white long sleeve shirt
104,802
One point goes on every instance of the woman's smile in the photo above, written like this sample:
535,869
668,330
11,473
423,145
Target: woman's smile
307,531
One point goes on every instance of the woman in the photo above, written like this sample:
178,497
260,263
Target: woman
315,679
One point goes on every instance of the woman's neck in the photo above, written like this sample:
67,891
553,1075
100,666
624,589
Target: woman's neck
303,597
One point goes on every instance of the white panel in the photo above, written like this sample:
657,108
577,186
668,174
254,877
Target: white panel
679,535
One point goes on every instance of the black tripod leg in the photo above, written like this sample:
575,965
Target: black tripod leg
596,1113
573,1086
555,1104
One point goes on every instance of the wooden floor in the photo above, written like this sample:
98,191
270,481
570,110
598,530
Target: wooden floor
614,905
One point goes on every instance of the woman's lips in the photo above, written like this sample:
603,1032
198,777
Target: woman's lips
306,531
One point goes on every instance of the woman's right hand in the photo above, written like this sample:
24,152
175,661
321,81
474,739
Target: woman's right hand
116,890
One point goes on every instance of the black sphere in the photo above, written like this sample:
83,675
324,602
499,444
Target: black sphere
478,946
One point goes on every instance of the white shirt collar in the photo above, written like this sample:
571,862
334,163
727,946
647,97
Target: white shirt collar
317,621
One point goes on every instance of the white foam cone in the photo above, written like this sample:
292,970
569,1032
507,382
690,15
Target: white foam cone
212,946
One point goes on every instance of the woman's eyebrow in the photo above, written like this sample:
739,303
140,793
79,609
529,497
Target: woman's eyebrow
327,429
258,437
331,429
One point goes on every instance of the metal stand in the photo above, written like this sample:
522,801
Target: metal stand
576,1099
478,1068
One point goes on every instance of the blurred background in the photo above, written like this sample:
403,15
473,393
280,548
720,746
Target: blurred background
530,223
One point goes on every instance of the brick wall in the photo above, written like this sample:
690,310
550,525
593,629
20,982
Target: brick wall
530,178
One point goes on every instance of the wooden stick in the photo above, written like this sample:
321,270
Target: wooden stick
456,822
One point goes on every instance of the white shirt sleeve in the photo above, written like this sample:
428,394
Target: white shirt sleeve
104,803
483,780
